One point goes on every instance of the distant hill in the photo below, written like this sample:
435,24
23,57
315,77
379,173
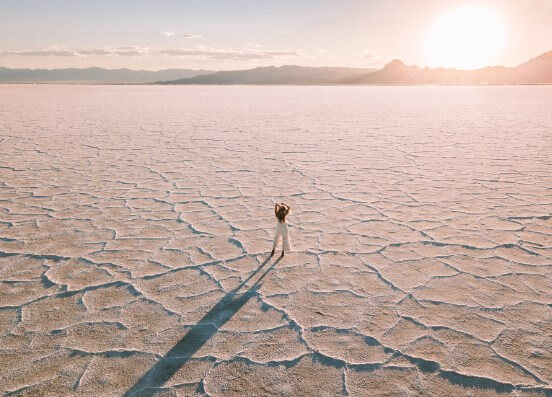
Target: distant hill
94,75
289,74
536,71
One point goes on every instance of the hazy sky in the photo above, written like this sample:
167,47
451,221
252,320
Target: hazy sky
235,34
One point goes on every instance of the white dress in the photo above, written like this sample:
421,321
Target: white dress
283,232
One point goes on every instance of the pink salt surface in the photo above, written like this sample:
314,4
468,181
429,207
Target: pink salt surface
134,220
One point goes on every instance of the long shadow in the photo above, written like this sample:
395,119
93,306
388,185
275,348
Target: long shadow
204,330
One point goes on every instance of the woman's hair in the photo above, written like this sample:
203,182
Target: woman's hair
281,211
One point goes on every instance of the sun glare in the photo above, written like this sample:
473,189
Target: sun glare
468,37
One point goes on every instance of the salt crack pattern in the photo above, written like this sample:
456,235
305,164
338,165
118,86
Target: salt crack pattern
136,222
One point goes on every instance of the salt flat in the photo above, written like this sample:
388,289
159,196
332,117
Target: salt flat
136,222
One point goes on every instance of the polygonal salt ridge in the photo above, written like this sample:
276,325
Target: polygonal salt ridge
387,232
172,258
11,318
196,209
286,281
102,299
469,291
537,224
257,238
340,242
517,254
410,275
21,206
192,281
46,375
535,287
78,274
528,315
483,267
323,362
535,239
17,267
469,356
21,219
150,245
403,252
284,377
530,349
474,322
113,369
151,229
338,259
10,245
347,346
53,312
315,309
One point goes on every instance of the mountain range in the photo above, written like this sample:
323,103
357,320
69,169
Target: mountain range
94,75
535,71
289,74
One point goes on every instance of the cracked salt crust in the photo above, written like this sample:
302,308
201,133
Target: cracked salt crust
134,219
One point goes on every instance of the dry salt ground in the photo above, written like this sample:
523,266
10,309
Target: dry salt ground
136,222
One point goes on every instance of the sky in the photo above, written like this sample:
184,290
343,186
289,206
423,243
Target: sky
240,34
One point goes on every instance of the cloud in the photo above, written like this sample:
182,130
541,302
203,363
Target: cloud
198,52
128,51
40,53
191,36
97,51
57,52
227,55
168,34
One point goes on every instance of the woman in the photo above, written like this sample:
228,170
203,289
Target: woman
281,210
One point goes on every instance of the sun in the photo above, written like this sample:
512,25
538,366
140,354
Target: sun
468,37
